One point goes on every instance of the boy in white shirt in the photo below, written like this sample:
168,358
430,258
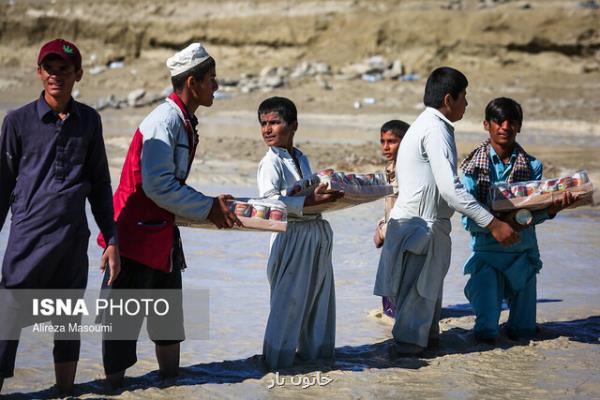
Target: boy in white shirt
300,272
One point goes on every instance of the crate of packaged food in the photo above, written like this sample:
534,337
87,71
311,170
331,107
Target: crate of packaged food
254,214
537,195
358,189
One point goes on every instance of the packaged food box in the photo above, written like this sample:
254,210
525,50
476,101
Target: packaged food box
358,188
537,195
349,182
254,214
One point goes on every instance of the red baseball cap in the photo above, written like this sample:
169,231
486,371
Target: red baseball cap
62,48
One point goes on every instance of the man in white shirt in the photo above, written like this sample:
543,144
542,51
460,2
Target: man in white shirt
416,254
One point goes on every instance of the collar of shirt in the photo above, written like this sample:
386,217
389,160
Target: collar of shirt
43,108
193,121
283,153
441,116
496,158
499,166
180,106
192,118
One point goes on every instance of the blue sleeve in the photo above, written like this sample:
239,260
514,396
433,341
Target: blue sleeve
10,154
470,185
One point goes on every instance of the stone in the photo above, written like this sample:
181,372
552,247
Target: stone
228,82
301,70
378,62
282,71
134,97
98,69
355,70
321,68
272,81
268,71
395,71
372,77
322,82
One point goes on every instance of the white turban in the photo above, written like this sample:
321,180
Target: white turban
187,59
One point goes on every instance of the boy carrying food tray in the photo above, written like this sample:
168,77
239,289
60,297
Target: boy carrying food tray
496,272
300,272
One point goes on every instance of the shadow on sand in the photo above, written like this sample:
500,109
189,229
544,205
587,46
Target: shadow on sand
348,358
465,309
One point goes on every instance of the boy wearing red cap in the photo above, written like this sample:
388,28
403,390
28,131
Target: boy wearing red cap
52,158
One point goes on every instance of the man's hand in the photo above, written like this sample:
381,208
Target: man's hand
561,203
379,236
320,196
112,258
503,232
220,215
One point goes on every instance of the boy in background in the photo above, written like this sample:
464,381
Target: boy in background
500,273
390,136
300,272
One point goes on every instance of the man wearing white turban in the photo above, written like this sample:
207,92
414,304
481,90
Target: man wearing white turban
151,193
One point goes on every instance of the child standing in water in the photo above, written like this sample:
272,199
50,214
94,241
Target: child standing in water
390,136
500,273
300,272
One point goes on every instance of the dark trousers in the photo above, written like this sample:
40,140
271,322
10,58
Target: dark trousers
118,355
65,266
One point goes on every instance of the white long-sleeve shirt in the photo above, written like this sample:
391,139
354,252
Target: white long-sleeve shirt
277,172
428,185
165,164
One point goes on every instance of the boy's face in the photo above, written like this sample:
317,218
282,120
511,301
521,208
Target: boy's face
503,133
457,106
204,90
389,144
58,76
275,131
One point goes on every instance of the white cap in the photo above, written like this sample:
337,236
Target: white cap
187,59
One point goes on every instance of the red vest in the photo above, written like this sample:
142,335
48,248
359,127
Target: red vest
144,230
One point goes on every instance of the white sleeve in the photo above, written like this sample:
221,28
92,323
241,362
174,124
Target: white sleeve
158,175
271,185
441,151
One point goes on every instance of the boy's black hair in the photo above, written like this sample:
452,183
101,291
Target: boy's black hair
442,81
397,127
503,109
281,105
198,72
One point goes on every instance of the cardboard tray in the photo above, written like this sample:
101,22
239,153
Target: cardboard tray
353,196
541,201
249,224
